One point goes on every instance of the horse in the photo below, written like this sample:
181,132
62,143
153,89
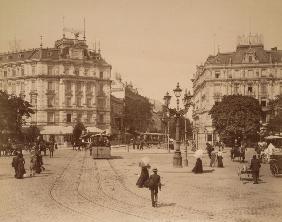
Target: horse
238,152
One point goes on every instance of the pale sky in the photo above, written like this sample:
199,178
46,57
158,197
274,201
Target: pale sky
153,43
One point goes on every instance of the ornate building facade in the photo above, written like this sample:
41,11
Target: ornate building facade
64,84
250,70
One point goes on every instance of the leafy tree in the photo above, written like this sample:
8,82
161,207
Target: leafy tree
13,112
32,133
138,111
77,131
236,116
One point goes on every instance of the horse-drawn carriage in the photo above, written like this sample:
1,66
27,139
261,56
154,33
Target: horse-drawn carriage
238,151
100,146
275,163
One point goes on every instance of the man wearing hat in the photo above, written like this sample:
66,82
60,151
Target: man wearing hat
154,186
255,165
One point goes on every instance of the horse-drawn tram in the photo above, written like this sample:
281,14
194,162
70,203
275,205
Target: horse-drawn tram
101,146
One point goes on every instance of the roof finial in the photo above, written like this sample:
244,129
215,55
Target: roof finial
99,49
41,41
95,46
84,29
64,27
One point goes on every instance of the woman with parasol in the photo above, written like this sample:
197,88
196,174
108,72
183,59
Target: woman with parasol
144,176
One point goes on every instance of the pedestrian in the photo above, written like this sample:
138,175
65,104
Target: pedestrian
198,168
33,163
144,176
20,166
154,186
51,149
142,142
209,149
219,159
15,163
213,158
255,166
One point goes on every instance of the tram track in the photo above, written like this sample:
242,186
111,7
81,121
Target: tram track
113,202
62,204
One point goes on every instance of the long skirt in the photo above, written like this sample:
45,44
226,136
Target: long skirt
219,161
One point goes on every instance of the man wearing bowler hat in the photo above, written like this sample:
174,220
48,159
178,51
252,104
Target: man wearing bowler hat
154,186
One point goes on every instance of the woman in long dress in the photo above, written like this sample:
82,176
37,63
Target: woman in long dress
198,168
219,159
20,166
144,176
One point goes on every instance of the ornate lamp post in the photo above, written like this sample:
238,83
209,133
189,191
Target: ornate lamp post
187,102
167,99
177,158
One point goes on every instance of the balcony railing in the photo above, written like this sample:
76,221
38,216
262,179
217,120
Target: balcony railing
50,92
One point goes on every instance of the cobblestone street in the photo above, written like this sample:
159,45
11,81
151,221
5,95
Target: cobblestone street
74,187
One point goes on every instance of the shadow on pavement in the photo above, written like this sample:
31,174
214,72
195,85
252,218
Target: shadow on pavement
208,171
166,204
116,157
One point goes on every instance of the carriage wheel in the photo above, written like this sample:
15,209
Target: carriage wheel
274,169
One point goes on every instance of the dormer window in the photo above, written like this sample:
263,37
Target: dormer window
250,59
217,74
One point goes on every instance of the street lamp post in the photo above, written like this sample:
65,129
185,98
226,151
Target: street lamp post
187,101
177,158
167,99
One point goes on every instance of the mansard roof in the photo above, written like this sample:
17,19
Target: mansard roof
260,54
58,53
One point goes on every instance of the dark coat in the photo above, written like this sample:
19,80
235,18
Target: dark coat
155,182
255,165
198,168
144,176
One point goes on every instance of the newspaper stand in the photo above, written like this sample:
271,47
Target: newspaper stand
101,147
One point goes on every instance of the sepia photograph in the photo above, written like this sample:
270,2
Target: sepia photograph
140,111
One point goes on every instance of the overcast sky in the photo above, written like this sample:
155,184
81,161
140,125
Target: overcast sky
153,43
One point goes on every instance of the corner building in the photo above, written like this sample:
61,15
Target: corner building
251,70
64,84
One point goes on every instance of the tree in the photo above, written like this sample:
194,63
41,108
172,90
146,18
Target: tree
13,112
236,116
275,122
77,131
32,133
138,111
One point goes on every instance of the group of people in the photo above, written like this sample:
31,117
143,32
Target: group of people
153,182
36,159
138,142
36,164
215,157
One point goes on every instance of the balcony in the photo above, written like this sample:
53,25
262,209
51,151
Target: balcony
78,92
50,92
68,92
33,92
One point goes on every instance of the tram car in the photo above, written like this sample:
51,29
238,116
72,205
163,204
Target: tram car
101,146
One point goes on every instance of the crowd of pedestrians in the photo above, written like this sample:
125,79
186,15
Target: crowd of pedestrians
36,165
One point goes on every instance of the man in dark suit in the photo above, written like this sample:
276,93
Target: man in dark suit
255,165
154,186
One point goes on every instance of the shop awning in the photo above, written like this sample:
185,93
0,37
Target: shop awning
93,129
56,130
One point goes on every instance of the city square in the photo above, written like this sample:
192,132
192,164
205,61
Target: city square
128,110
75,187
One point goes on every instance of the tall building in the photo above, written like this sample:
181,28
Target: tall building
64,84
250,70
